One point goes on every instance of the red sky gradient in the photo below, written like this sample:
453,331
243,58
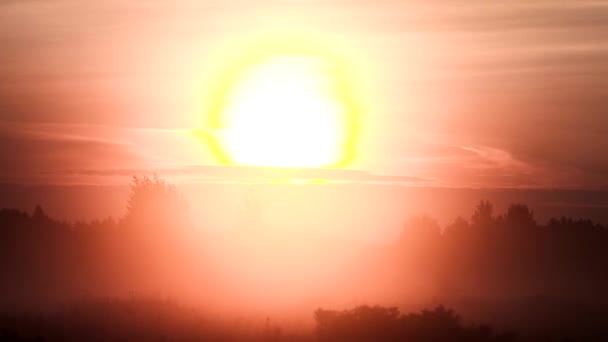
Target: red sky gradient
491,94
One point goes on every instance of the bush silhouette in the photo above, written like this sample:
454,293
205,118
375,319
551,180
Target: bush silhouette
365,323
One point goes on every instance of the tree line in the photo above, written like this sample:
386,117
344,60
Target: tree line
503,267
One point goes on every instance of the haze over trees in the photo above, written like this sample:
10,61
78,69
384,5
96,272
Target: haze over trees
504,269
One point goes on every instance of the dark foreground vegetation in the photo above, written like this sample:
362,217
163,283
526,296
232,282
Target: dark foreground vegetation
153,320
543,281
160,320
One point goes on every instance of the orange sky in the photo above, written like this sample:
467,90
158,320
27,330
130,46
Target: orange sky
454,93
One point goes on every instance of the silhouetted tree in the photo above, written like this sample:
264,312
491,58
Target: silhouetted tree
483,215
155,203
457,226
39,214
504,260
519,215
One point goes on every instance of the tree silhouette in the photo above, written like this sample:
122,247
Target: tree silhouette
483,215
549,278
39,214
154,203
519,215
457,226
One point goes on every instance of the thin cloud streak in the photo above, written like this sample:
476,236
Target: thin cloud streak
217,173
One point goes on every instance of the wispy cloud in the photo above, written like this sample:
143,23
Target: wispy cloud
236,173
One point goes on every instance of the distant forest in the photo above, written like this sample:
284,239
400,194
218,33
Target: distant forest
544,281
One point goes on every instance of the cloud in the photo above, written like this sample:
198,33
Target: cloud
26,154
89,154
482,166
236,173
489,157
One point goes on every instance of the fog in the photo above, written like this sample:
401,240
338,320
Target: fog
281,251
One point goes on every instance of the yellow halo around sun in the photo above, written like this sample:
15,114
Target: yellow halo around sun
285,105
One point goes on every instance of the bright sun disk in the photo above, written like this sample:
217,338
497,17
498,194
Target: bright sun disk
285,111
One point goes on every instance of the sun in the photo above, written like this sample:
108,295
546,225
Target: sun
285,109
284,112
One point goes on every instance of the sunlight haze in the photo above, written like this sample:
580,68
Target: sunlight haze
304,170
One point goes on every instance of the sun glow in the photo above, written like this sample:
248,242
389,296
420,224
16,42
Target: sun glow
285,110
